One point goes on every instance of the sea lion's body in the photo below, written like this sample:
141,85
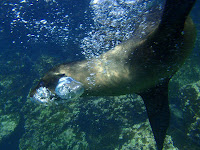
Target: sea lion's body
138,66
134,65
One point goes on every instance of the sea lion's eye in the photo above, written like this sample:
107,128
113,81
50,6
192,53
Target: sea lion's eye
62,75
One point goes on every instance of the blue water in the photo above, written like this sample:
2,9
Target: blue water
36,35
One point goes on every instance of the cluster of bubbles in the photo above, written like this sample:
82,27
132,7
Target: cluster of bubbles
112,21
115,21
38,21
46,21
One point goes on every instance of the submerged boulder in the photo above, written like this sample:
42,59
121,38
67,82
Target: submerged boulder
94,123
8,123
190,104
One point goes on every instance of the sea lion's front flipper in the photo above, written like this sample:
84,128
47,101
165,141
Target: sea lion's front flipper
157,106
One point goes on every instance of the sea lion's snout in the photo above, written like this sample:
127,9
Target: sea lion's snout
67,89
43,95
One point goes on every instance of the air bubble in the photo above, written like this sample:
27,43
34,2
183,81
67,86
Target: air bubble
24,15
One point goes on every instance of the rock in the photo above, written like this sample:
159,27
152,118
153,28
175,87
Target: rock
190,104
8,123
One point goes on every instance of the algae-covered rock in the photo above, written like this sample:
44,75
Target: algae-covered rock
140,136
8,123
188,73
106,123
51,127
190,104
102,118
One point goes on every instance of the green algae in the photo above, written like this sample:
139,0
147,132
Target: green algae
190,104
8,123
94,123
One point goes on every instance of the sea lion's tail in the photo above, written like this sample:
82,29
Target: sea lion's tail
156,98
175,13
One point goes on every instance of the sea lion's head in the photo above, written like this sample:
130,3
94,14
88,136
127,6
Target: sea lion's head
54,87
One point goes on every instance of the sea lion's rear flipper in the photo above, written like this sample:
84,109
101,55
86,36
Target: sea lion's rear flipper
157,106
156,98
175,13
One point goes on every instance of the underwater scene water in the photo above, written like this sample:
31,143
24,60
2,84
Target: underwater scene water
36,35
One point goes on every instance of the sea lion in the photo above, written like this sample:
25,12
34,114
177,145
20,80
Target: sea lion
135,66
